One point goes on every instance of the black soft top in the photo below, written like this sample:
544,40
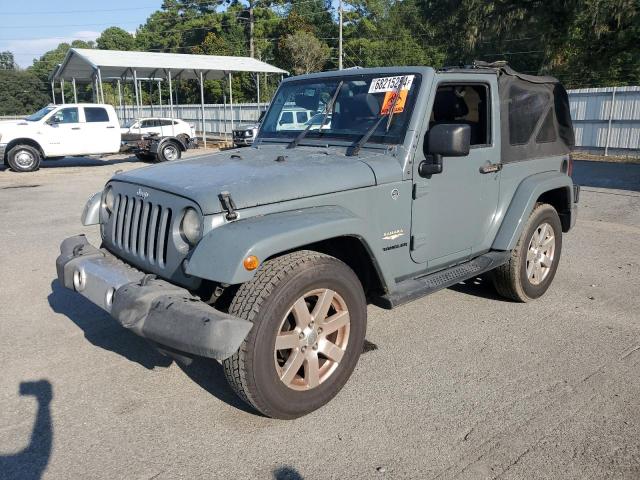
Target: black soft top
535,116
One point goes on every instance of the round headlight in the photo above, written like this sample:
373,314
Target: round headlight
108,199
191,226
248,133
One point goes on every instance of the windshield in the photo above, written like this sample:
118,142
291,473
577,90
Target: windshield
361,101
40,114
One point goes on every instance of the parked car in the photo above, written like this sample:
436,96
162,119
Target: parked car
165,127
265,259
245,133
57,131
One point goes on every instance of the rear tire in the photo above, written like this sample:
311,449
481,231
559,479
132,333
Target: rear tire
285,369
24,158
534,262
168,152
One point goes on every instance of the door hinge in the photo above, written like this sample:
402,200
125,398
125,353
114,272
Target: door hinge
420,190
418,241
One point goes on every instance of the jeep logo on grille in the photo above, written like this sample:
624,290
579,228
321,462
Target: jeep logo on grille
142,194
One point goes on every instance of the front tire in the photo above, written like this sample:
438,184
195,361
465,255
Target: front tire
309,315
534,262
24,158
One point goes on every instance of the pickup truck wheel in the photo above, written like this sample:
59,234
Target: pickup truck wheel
168,152
534,261
309,315
23,158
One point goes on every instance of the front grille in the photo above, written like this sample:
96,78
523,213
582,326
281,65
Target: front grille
141,229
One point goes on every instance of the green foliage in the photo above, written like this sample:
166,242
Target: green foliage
115,38
7,61
583,42
21,92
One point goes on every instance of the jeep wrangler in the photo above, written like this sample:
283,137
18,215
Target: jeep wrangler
409,180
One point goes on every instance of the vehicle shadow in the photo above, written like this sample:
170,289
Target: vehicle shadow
479,287
82,162
31,462
209,375
102,330
619,176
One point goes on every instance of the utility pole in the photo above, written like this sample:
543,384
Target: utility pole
340,36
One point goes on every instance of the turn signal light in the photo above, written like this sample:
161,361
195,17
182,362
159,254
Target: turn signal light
251,262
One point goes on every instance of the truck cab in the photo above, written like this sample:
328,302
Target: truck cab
58,131
403,181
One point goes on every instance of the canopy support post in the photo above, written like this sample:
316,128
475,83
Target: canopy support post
135,88
203,125
258,92
120,97
151,96
171,98
101,91
75,91
160,98
53,91
231,99
62,90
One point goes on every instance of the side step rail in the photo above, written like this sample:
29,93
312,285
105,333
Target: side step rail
414,288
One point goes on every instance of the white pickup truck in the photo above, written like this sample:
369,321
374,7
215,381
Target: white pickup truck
58,131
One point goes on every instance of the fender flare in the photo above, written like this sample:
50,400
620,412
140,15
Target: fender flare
522,203
91,211
266,236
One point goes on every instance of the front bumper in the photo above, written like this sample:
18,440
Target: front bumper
154,309
3,148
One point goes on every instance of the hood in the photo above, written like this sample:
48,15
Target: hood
254,176
12,123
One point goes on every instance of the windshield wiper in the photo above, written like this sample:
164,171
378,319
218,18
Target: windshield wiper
355,148
327,109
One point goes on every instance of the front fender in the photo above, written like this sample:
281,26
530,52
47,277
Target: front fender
91,211
522,205
219,255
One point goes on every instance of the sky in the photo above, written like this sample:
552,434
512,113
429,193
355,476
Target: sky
30,28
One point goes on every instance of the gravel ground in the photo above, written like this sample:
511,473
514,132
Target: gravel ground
460,384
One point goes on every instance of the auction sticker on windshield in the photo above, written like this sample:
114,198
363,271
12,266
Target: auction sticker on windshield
389,84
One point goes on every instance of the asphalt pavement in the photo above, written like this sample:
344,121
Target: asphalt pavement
460,384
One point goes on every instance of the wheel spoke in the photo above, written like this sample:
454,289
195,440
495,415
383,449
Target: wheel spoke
530,268
546,261
547,241
542,234
301,313
330,350
287,340
334,322
322,305
531,255
312,370
538,271
289,370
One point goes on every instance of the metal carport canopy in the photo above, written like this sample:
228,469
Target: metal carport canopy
82,64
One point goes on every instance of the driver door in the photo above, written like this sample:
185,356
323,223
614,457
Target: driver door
63,133
453,210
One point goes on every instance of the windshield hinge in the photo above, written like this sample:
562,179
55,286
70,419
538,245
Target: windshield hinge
228,205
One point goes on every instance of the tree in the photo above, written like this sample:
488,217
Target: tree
115,38
7,61
306,53
21,92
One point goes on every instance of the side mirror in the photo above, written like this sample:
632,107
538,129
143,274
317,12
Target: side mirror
445,140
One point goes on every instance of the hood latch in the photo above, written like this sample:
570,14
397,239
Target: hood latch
228,205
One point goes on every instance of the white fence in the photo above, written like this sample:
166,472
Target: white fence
606,120
218,117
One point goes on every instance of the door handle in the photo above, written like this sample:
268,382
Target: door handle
75,128
111,126
491,167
